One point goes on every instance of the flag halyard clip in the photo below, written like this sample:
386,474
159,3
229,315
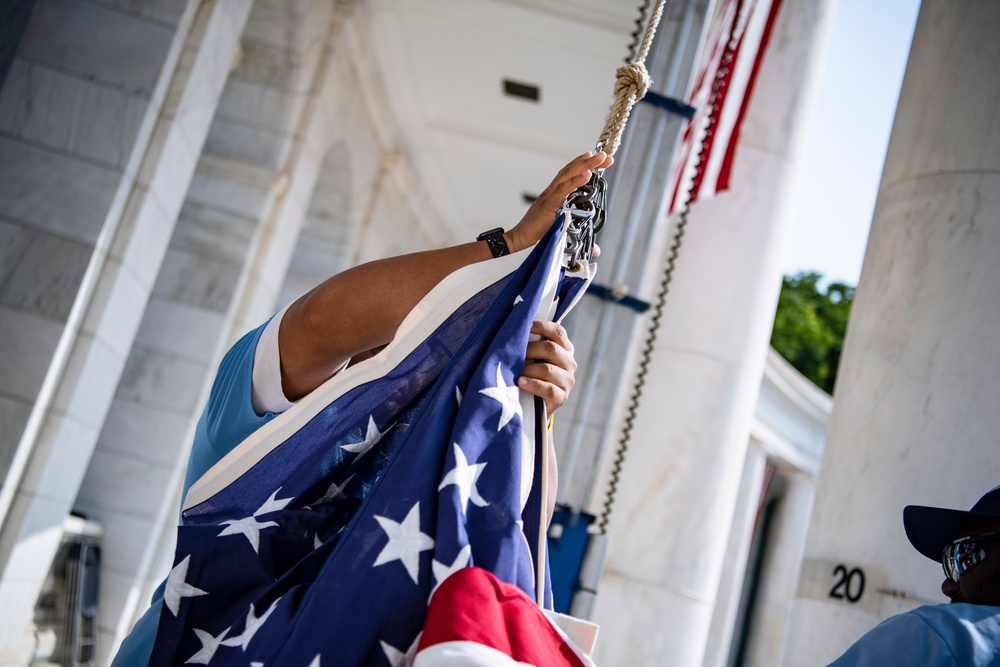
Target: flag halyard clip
587,210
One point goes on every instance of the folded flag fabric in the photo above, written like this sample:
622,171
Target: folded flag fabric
320,539
476,620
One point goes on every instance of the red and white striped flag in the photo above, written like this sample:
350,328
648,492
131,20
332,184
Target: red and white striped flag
476,620
734,49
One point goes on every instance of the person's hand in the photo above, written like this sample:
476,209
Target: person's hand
550,367
543,211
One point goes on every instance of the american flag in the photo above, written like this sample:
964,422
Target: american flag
321,538
721,93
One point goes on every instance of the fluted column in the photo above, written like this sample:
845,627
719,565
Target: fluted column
917,411
675,506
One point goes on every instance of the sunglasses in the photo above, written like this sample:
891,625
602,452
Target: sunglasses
959,556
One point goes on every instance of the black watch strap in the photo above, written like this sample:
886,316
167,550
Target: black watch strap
495,240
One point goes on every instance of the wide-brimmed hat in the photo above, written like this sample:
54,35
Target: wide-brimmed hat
931,529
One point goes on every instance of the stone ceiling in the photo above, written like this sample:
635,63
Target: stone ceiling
480,150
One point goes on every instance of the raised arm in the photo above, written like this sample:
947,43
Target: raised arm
361,308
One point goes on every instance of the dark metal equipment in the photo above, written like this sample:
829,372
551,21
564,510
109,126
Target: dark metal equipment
66,612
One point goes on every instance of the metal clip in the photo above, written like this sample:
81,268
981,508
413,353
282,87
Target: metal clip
587,209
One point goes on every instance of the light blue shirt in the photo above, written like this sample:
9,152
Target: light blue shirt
946,635
228,419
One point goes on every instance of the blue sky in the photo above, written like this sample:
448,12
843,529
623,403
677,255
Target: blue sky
847,140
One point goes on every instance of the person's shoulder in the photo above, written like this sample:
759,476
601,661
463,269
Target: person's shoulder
970,631
944,635
958,611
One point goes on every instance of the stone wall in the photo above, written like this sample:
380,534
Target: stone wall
102,113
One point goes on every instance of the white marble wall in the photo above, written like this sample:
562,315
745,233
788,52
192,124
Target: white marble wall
779,576
326,243
676,500
917,417
788,434
265,97
356,184
69,118
731,584
126,92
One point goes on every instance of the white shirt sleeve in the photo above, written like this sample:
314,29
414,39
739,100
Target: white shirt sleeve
266,393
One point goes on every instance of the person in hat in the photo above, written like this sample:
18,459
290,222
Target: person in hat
965,632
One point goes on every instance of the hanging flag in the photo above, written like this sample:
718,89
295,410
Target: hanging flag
723,88
321,538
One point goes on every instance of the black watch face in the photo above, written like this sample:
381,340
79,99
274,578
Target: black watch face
485,236
496,242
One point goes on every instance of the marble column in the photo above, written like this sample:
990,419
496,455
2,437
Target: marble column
73,124
731,584
133,92
780,576
676,501
132,484
917,413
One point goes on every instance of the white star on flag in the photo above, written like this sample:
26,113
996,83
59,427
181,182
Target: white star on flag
253,624
518,299
209,645
272,504
177,587
506,396
250,527
405,542
465,477
314,663
458,395
396,657
371,439
442,571
335,492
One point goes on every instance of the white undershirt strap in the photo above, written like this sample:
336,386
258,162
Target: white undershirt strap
266,393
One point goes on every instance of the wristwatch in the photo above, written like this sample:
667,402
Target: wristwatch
495,240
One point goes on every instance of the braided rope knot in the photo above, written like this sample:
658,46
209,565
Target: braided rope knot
631,84
631,81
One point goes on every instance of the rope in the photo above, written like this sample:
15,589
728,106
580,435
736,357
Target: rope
631,83
668,272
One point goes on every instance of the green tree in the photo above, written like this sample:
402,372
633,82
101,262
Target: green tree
809,326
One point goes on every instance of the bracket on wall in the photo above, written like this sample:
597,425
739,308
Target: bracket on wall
669,104
618,294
